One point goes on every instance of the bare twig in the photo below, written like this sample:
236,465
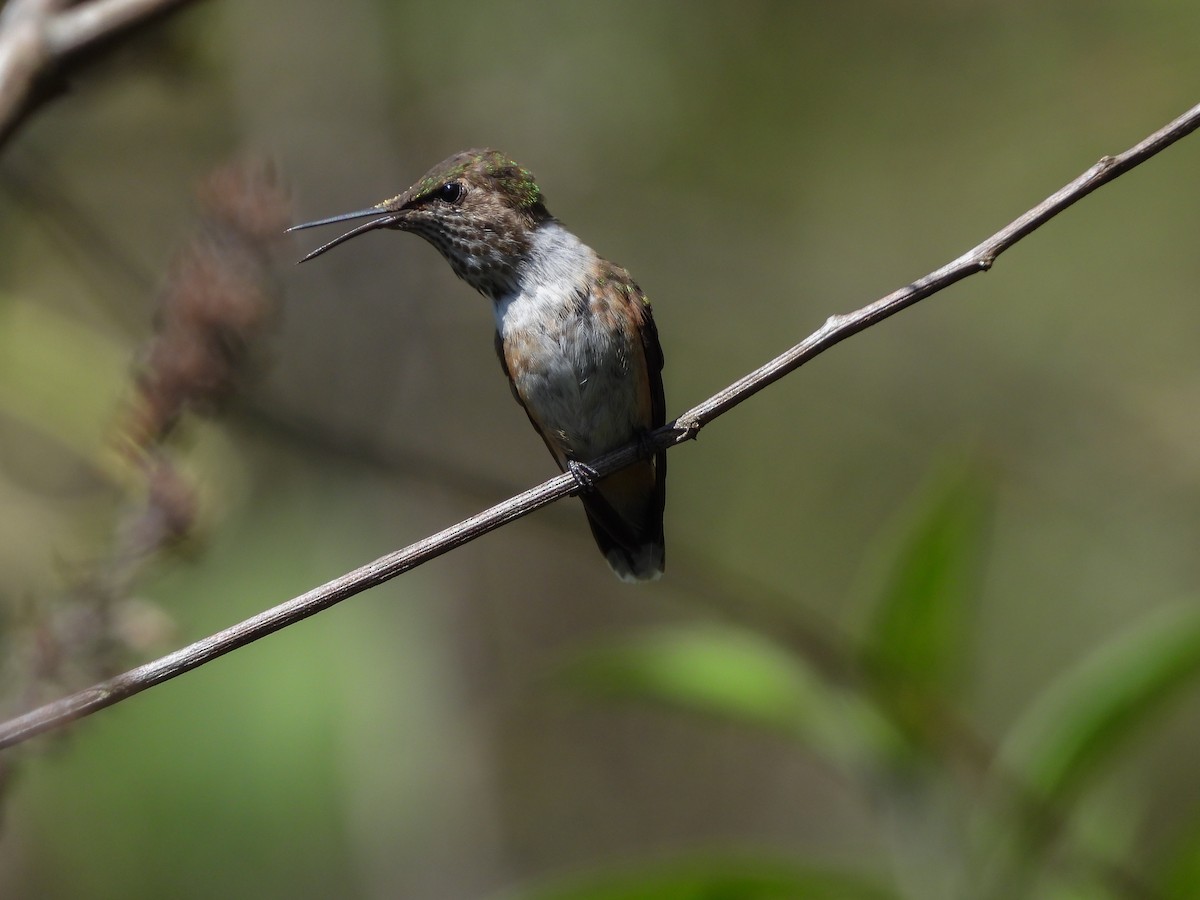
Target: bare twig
39,37
686,427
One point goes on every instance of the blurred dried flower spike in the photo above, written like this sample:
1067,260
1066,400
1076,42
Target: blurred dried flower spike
218,296
248,196
168,515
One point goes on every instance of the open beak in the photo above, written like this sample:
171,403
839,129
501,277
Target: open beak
385,220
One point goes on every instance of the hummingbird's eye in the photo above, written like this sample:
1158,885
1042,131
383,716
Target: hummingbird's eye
450,192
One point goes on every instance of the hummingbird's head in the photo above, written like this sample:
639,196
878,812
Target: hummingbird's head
479,208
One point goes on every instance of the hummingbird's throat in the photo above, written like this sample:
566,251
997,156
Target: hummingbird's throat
484,259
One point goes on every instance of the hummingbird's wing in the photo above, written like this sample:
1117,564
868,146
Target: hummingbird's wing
625,511
658,399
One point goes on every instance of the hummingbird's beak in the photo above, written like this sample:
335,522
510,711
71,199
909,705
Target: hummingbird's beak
385,220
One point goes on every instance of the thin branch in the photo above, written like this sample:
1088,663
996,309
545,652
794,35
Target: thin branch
686,427
980,259
89,23
38,38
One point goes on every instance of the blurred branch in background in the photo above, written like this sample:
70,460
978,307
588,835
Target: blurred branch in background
80,239
686,427
40,39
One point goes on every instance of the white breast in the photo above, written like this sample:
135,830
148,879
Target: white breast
557,267
576,378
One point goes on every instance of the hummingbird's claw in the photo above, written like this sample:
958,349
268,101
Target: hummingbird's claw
585,476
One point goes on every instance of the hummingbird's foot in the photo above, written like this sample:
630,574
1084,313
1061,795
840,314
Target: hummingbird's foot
585,476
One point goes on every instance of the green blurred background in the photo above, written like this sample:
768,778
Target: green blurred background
758,167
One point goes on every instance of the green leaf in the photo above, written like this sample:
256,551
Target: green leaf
931,573
734,675
1181,874
714,879
1078,889
1093,710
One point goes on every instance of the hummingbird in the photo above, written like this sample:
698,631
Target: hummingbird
574,333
